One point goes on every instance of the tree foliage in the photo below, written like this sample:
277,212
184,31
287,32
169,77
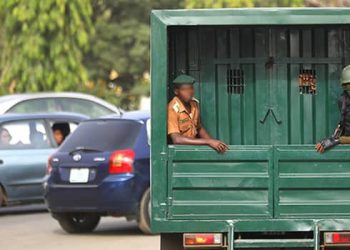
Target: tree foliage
242,3
2,34
95,46
118,62
44,43
264,3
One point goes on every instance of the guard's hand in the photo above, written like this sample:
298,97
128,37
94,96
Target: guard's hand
219,146
319,148
326,144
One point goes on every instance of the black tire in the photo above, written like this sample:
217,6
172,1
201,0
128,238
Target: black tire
78,222
143,220
2,197
2,202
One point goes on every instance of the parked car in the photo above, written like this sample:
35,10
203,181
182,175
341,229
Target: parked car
26,142
57,102
101,170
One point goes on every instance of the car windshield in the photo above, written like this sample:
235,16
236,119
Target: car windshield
102,135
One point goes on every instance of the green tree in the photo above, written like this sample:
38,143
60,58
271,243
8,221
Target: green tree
242,3
2,37
327,3
218,3
264,3
44,44
121,46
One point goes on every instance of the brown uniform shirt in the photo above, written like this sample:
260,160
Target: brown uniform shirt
180,121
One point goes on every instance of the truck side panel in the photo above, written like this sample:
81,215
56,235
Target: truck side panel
309,185
234,185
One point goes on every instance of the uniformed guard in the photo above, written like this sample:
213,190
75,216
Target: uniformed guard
184,126
342,133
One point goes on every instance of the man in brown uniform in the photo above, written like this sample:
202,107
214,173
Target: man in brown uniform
184,126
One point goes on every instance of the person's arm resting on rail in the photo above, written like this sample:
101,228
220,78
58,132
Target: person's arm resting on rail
184,125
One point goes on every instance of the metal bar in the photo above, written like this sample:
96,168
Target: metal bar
231,236
261,243
286,60
169,186
316,237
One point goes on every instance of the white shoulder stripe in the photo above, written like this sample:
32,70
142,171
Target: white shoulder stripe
194,99
176,107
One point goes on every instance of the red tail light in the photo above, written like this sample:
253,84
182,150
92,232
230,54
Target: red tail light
49,165
121,161
337,238
202,239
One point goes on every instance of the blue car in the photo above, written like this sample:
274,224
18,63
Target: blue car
26,142
102,169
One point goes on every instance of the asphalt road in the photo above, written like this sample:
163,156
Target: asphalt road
33,228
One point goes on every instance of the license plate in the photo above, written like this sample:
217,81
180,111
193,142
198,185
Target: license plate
79,175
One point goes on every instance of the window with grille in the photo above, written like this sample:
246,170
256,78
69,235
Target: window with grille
235,81
307,81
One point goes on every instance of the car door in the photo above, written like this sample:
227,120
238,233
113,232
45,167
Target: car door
23,160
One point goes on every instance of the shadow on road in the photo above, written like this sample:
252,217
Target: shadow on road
23,209
108,227
115,230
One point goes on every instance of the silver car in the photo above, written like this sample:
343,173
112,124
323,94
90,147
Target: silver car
57,102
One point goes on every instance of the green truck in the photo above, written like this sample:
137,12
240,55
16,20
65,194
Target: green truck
268,85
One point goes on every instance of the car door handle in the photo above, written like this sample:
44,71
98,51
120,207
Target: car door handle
1,161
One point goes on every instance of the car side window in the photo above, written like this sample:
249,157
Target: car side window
31,106
61,130
85,107
28,134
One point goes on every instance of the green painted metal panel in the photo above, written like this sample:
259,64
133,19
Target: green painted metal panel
271,110
296,243
255,225
159,72
271,179
234,185
254,16
307,185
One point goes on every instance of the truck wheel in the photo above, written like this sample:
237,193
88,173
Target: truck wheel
143,220
78,223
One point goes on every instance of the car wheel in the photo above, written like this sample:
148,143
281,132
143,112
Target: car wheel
78,222
2,197
143,219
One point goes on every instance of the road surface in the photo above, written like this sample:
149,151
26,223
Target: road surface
37,230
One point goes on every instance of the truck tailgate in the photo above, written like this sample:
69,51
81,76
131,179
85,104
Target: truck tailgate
311,185
257,182
204,184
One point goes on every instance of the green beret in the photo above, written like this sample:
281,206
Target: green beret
184,79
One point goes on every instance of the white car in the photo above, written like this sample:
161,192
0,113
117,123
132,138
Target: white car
57,102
